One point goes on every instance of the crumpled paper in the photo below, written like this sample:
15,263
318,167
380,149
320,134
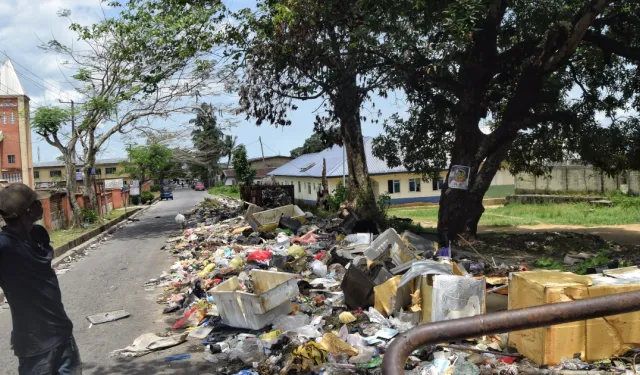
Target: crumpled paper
148,343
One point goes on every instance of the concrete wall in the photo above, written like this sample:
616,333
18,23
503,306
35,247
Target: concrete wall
576,179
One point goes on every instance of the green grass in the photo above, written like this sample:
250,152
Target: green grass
625,211
61,237
549,264
500,191
229,191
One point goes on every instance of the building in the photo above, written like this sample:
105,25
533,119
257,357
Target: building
305,173
16,160
51,173
262,166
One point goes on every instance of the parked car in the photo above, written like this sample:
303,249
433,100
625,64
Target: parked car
199,187
166,192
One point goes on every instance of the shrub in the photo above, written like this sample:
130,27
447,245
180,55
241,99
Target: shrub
146,196
155,188
89,215
135,199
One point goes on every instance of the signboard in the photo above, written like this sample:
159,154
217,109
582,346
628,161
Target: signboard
134,190
459,177
78,176
93,171
135,183
115,183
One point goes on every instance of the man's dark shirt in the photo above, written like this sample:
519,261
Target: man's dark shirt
31,287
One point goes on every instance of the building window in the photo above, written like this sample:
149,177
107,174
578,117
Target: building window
437,184
393,186
414,184
110,170
57,173
13,118
4,118
11,159
36,174
98,171
299,187
309,187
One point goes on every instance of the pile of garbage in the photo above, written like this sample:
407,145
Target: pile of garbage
283,291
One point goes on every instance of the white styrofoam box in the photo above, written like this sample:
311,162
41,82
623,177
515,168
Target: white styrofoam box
272,296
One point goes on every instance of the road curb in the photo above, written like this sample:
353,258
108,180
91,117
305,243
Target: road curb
115,225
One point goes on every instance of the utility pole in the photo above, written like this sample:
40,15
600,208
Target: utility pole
38,154
264,163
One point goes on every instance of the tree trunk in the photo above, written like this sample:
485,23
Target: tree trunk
347,108
70,176
461,210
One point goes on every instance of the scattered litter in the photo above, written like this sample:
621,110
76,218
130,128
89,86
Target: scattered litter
149,342
107,317
273,289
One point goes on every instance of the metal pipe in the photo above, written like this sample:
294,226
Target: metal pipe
504,321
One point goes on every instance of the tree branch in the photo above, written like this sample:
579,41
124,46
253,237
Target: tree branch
612,46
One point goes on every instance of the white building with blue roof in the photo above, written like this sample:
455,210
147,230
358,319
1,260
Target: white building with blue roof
403,186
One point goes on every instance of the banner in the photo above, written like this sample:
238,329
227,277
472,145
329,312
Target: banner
115,183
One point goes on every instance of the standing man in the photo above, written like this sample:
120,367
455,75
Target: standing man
42,337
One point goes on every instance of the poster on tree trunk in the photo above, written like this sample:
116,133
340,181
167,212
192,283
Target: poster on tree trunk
459,177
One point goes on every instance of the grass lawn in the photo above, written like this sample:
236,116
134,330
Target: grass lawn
500,191
229,191
625,211
61,237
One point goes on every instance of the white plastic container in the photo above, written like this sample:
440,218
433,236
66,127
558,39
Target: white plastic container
272,296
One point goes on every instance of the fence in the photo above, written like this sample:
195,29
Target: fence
579,179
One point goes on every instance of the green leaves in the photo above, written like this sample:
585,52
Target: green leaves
244,173
48,121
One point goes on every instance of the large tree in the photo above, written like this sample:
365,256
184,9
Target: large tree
208,138
57,126
151,160
129,69
305,50
245,174
536,74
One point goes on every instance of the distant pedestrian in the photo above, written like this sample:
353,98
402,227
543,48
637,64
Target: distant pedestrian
42,336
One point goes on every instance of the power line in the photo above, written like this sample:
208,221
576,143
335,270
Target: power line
32,73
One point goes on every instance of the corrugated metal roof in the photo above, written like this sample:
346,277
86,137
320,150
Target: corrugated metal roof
310,165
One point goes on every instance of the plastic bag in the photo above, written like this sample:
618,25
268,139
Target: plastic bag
376,317
259,256
318,268
290,323
248,351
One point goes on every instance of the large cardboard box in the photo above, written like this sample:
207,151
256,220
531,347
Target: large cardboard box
447,297
593,339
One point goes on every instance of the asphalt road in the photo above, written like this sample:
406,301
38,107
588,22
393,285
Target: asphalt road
111,277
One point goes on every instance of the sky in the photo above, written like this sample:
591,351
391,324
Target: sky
43,77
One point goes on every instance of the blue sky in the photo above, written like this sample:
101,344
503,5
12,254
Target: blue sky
41,74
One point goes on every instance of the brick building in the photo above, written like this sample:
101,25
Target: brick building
16,162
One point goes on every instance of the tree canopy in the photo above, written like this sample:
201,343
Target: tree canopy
150,160
536,76
245,174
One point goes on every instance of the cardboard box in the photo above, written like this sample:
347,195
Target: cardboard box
447,297
593,339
